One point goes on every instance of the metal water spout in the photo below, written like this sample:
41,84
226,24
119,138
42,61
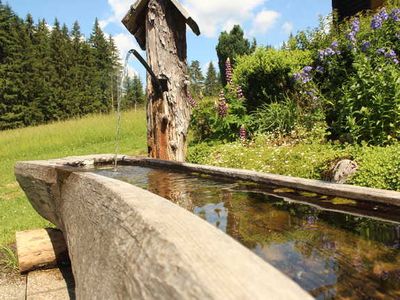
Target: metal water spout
160,82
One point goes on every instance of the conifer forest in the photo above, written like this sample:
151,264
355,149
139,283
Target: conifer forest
51,72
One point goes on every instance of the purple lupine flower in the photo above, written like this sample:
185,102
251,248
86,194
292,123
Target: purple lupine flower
352,37
222,105
383,14
239,92
320,69
297,76
228,71
307,69
355,28
322,54
365,46
376,22
191,101
304,76
390,54
243,133
334,45
381,51
355,25
395,14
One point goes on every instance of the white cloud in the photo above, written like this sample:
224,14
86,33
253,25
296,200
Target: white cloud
287,27
212,16
119,9
264,21
216,15
124,43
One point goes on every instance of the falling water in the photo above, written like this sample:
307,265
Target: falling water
120,94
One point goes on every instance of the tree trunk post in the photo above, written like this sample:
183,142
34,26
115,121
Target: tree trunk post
168,113
159,27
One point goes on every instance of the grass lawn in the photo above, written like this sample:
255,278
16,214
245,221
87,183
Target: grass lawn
90,135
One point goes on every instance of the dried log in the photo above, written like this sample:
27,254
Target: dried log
41,249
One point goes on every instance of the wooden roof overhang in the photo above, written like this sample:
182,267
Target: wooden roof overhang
135,20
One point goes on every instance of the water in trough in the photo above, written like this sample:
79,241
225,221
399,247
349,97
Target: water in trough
334,248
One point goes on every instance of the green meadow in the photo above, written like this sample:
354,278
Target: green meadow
90,135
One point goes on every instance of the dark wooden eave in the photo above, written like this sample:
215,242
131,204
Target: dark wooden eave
135,20
348,8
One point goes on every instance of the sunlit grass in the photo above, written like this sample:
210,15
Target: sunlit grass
90,135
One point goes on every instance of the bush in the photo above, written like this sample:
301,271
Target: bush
379,167
220,119
370,107
357,78
267,75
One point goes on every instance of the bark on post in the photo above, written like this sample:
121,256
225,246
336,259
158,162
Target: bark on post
168,113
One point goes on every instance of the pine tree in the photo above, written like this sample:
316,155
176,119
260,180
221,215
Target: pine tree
138,90
12,95
115,71
211,84
196,79
104,66
134,92
230,45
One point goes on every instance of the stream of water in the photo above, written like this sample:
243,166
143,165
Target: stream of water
330,253
120,95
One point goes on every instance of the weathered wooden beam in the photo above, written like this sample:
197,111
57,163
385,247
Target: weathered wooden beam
40,249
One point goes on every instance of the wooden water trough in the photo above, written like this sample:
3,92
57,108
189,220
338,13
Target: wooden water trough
127,243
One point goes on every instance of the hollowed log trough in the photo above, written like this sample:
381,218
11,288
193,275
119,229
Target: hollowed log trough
127,243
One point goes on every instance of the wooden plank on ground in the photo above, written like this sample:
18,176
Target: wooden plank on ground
41,249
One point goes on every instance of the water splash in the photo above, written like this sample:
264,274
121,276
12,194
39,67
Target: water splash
120,94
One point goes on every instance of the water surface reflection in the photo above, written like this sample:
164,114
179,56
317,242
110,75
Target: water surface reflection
331,254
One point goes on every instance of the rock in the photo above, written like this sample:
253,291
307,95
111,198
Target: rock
342,171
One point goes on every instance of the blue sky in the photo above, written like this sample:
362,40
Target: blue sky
269,21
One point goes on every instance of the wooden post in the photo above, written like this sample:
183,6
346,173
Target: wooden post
159,26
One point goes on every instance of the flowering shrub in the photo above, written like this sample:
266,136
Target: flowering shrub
266,76
357,78
224,118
